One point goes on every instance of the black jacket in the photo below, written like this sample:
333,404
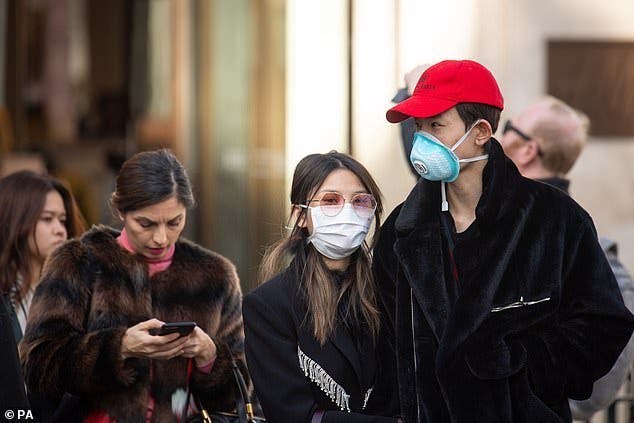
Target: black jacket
533,319
12,395
292,374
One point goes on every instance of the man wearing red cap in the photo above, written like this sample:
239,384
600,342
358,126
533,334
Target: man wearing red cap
498,301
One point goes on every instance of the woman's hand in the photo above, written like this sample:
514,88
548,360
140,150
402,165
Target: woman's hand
200,347
137,342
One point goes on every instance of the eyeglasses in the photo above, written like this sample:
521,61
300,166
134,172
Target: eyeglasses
331,204
508,126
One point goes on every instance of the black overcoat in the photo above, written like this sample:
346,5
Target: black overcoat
537,318
12,395
292,373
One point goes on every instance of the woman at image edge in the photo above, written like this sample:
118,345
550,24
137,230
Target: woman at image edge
310,330
88,330
37,214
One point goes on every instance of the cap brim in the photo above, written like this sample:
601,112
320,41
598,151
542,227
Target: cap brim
418,107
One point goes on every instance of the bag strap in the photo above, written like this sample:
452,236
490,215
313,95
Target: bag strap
244,407
243,391
190,394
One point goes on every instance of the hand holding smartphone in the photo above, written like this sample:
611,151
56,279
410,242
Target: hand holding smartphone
183,328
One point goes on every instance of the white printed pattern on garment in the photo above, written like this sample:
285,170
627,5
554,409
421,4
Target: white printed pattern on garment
367,397
326,383
520,303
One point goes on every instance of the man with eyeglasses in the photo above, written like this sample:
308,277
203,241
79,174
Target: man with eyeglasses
544,141
498,302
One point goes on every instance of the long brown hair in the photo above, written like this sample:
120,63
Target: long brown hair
322,294
22,199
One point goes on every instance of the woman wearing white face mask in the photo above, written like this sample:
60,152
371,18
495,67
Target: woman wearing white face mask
310,330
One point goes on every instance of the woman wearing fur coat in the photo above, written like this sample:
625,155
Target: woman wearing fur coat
88,343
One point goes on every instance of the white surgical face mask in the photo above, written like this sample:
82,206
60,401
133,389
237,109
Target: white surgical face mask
339,236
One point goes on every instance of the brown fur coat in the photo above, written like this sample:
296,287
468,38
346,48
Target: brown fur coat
92,290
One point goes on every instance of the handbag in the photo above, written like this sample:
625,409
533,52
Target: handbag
244,407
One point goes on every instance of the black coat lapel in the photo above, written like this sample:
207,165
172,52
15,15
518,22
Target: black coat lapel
342,340
476,298
15,323
367,358
498,208
424,272
419,250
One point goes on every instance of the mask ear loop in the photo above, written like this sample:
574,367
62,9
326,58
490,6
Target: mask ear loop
464,137
444,205
301,206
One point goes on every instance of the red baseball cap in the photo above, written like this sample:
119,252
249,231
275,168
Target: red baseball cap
446,84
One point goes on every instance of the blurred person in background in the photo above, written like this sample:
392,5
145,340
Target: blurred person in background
544,141
88,344
311,327
499,303
408,126
37,214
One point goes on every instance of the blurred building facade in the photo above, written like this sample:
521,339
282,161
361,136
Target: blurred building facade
241,90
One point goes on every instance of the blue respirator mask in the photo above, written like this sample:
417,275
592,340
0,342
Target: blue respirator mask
436,162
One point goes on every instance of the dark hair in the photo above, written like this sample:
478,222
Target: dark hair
149,178
22,199
323,296
471,112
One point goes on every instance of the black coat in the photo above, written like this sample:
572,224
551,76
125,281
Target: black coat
12,395
462,354
282,355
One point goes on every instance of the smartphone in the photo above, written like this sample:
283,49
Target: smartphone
184,328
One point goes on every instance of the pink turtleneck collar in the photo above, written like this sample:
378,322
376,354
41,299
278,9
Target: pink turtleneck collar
154,266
